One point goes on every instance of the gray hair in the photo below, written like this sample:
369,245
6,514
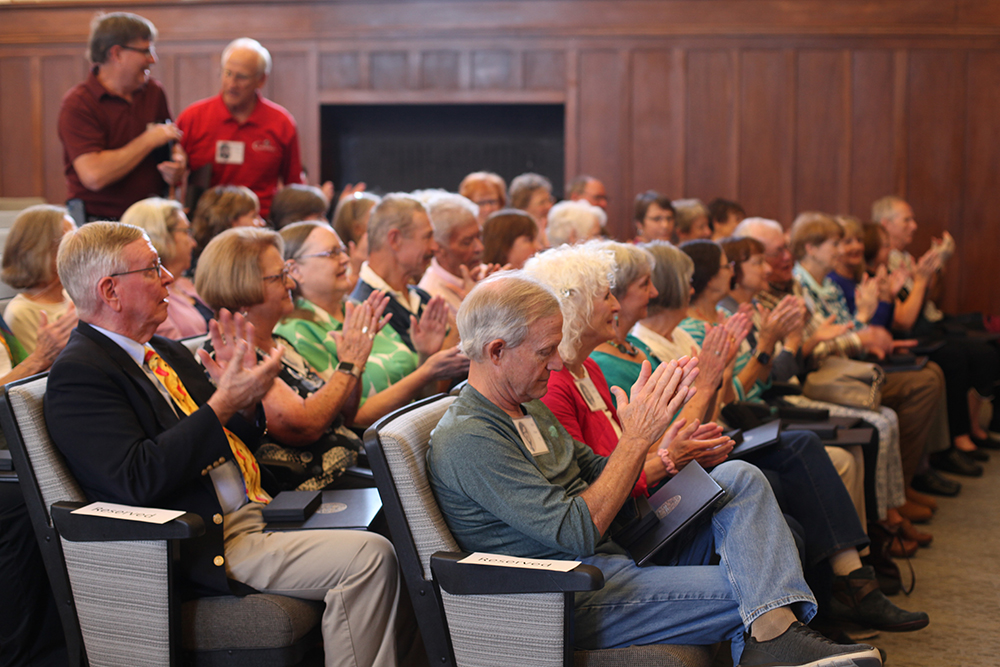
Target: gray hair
502,306
263,56
158,217
672,272
90,253
448,212
753,227
579,274
572,221
395,211
885,208
686,211
632,262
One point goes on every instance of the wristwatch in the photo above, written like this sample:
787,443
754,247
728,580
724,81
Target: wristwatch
763,358
349,368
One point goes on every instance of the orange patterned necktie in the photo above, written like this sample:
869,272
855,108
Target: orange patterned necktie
244,458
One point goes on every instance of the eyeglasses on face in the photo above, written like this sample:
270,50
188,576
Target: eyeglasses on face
149,51
158,267
283,276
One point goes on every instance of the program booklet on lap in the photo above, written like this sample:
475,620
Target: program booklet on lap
665,514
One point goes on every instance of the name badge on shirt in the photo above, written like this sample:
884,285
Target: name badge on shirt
591,397
530,435
229,152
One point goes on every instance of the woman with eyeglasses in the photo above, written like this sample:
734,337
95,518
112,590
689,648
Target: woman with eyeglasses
307,446
394,375
170,232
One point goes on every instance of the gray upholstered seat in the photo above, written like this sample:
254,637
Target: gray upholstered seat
119,604
475,630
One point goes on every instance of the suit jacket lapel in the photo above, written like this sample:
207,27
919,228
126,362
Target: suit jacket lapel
164,412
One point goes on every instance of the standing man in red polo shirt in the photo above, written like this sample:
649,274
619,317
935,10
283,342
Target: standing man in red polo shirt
119,145
247,139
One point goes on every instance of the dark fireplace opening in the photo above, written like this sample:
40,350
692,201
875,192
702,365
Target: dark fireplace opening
404,147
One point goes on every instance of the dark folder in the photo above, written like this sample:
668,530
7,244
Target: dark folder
665,514
754,439
345,509
5,462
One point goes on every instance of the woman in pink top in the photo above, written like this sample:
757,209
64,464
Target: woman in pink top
170,232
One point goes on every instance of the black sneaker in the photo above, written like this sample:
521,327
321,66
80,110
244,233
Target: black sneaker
857,599
801,646
931,482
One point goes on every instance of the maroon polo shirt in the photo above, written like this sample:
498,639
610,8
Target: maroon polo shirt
92,120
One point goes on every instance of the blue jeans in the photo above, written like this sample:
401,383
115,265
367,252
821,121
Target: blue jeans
692,601
813,494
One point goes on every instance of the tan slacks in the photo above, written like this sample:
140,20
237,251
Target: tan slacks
915,397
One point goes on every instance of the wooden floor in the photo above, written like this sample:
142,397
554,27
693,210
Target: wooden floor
958,583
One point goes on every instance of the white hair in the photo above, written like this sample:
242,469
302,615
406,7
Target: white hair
263,56
573,221
753,227
578,274
503,307
448,212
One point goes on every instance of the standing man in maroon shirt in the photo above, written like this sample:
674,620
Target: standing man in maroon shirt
247,139
119,145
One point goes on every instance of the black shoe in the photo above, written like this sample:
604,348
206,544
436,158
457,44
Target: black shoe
935,484
952,460
976,455
986,443
801,645
857,599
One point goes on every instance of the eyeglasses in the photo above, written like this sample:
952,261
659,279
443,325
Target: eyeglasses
283,276
149,51
487,202
158,267
332,252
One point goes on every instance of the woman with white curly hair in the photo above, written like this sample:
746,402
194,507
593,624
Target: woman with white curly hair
574,222
582,277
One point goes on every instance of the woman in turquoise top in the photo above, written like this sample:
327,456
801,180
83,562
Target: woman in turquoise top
393,375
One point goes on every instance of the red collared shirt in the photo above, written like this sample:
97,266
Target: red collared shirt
255,153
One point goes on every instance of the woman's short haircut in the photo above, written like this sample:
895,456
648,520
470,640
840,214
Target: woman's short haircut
297,202
479,180
672,271
448,212
525,185
686,211
90,253
812,228
116,29
572,222
739,249
295,235
500,231
707,258
503,307
852,226
719,210
218,208
632,262
872,235
395,211
159,218
644,200
578,275
31,244
349,216
228,274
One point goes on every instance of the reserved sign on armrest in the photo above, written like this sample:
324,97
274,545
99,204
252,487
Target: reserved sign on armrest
480,558
129,512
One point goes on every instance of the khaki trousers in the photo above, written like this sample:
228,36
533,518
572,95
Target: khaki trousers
915,397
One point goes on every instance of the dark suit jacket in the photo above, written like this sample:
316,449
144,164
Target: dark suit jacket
124,444
400,316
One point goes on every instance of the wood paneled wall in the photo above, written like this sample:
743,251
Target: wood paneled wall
785,107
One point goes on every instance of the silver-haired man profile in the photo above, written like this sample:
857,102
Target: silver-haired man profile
545,495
